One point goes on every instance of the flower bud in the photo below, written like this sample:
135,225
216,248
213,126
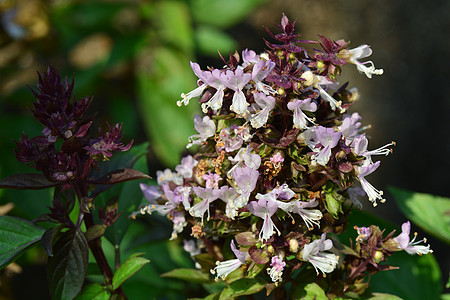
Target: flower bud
293,245
378,257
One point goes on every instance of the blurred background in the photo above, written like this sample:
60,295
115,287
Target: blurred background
133,57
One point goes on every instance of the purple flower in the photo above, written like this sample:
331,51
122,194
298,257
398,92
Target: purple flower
264,208
309,216
265,104
212,180
218,80
328,139
410,246
298,106
107,143
244,156
369,189
246,179
276,268
207,195
249,57
314,253
191,247
231,139
360,52
186,167
179,222
261,69
151,192
363,233
206,129
360,143
224,268
355,193
283,192
350,127
199,90
228,195
236,81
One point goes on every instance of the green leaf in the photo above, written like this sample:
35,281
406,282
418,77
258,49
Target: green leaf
222,13
210,40
310,291
429,212
15,236
418,277
445,297
67,267
215,296
128,269
382,296
333,205
94,291
189,275
242,287
175,24
314,291
159,87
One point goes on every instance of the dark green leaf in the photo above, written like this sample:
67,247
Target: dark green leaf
95,232
94,291
419,277
15,236
26,181
190,275
429,212
242,287
67,267
127,269
48,238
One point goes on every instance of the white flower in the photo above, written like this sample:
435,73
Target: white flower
314,253
369,189
167,175
367,67
224,268
266,104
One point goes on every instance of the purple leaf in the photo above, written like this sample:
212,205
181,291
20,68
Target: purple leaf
120,175
259,256
26,181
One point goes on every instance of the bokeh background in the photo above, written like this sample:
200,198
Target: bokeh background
133,57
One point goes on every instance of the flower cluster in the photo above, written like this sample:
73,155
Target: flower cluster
65,152
280,161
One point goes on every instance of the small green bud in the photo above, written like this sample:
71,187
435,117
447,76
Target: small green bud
378,256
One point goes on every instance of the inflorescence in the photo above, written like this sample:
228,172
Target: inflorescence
280,164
